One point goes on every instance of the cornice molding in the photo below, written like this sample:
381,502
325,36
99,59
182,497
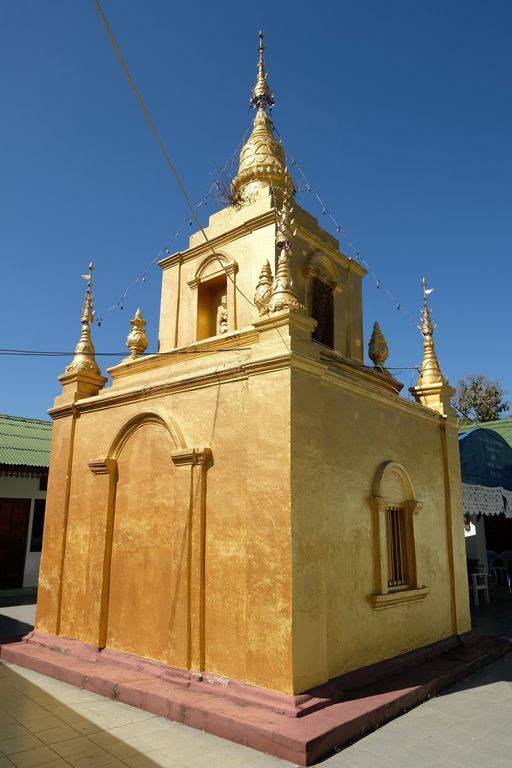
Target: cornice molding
320,245
231,340
182,457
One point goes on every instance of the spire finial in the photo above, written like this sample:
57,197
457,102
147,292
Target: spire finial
262,161
137,341
261,94
378,347
283,292
264,288
84,360
430,368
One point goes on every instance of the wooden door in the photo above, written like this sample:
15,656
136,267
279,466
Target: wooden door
14,515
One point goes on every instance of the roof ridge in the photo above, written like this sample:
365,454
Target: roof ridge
27,419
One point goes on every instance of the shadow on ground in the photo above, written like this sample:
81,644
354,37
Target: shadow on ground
17,615
38,729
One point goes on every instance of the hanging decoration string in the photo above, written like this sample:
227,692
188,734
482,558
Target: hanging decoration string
161,146
308,187
166,250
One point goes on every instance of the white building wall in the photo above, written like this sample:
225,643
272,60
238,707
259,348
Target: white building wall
25,488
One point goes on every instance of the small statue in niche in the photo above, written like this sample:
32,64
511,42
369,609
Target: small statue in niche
222,316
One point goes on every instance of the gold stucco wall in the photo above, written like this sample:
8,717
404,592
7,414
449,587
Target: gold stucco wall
141,594
340,437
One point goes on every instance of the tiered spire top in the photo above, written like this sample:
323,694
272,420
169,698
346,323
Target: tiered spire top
84,360
430,368
262,159
261,93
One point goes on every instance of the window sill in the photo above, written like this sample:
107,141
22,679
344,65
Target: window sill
399,597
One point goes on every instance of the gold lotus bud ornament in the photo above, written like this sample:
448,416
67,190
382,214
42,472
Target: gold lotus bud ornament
137,341
264,288
378,350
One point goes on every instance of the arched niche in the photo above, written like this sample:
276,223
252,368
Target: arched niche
154,542
321,285
215,278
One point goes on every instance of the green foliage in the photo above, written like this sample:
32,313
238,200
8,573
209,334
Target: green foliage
478,399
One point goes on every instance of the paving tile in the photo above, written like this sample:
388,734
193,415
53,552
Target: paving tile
227,757
5,763
471,759
145,761
74,746
33,757
79,723
59,763
122,751
19,744
37,724
12,729
104,738
60,733
112,713
94,757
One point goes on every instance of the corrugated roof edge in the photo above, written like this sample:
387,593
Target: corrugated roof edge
25,419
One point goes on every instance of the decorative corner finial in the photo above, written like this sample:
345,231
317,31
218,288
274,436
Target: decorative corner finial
430,368
137,341
432,389
378,350
264,288
261,97
84,360
283,292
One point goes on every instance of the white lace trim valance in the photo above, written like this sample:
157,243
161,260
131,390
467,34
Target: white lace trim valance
481,500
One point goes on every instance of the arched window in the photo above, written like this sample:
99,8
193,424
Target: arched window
322,310
396,569
321,286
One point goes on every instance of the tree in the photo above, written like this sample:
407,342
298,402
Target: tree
479,399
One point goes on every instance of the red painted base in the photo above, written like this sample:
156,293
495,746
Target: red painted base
300,728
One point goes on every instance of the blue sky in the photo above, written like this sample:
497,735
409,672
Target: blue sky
400,114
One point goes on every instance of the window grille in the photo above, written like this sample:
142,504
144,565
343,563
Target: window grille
398,575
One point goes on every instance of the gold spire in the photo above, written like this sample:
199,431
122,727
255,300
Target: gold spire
137,341
261,93
283,292
262,159
432,389
430,368
84,360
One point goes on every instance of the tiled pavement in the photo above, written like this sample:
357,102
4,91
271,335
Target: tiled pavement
44,722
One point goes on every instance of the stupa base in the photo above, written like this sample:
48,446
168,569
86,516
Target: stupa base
301,728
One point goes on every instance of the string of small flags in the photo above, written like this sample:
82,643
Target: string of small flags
308,187
215,187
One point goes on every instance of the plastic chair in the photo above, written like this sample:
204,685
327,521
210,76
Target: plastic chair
506,558
479,584
496,567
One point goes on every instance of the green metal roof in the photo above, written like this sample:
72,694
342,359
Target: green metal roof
25,442
502,426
